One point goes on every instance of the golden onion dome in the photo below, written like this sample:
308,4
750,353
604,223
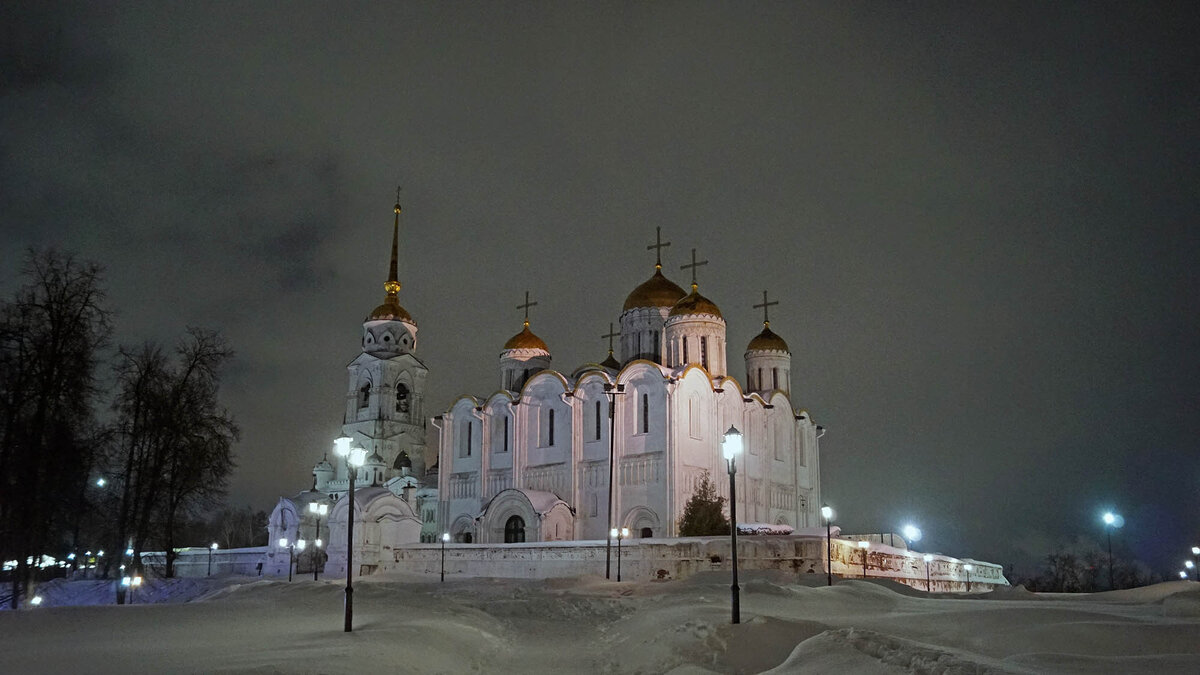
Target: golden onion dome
526,340
694,303
767,340
390,310
657,291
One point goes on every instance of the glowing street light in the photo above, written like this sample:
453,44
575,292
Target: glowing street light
354,459
827,514
1111,520
283,543
35,600
211,547
911,532
445,538
968,567
620,534
864,545
100,482
928,559
612,392
731,447
317,510
1182,574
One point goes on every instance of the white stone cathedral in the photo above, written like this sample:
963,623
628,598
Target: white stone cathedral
531,462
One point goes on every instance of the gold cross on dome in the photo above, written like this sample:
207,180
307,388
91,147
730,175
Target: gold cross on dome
611,334
764,306
693,267
526,307
658,246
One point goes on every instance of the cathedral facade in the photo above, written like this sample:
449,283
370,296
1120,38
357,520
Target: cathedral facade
556,455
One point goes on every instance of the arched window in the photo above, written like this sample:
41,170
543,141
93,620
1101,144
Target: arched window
514,530
364,395
401,398
645,413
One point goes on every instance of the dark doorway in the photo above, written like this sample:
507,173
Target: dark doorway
514,530
646,533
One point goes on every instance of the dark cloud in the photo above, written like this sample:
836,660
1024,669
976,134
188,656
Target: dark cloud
979,220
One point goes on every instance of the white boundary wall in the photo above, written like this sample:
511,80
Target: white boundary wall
663,559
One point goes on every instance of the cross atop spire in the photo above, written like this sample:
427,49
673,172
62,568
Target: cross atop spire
611,334
693,267
764,306
526,307
658,246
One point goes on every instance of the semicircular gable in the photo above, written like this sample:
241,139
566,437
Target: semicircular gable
639,365
540,378
502,397
694,370
465,397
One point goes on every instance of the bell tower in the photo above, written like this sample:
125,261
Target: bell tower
385,400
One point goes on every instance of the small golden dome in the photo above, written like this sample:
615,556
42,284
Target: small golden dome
526,340
767,340
390,310
694,303
657,291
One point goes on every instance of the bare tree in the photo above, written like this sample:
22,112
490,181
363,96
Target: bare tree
51,335
174,442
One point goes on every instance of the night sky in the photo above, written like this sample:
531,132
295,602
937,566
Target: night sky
979,221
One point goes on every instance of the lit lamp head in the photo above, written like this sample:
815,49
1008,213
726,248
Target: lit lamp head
318,543
1182,574
624,532
341,446
137,581
827,512
129,551
912,533
968,567
863,543
731,445
214,546
125,581
928,558
301,544
100,482
357,457
283,542
1188,564
1196,550
445,536
318,509
613,532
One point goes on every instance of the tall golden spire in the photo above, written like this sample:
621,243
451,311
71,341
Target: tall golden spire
392,285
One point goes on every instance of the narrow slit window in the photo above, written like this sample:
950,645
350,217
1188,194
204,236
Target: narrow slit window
506,433
645,413
597,420
550,429
704,352
685,352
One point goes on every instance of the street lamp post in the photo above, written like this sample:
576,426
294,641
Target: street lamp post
928,559
212,547
317,510
354,459
1196,554
283,543
620,534
731,447
445,538
827,514
612,392
968,567
1190,566
864,545
1110,521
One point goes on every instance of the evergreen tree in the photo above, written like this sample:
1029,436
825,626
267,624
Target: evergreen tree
703,515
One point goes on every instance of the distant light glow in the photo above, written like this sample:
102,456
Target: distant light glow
1182,574
35,600
214,546
912,533
1109,519
70,556
863,543
100,482
1196,550
1188,564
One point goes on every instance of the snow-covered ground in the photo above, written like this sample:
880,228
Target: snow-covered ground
590,625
